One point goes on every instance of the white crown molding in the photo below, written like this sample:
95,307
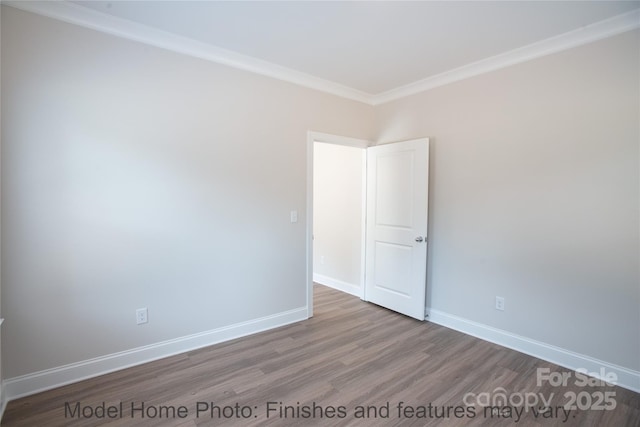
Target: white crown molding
587,34
89,18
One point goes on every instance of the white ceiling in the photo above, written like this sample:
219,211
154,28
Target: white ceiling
372,47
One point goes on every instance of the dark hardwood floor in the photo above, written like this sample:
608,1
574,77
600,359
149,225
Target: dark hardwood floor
353,363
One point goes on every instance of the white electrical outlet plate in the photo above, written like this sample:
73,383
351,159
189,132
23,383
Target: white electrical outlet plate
141,316
294,216
500,303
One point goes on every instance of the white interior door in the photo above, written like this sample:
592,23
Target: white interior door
396,242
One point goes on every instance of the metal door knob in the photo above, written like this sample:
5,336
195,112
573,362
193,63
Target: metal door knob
419,239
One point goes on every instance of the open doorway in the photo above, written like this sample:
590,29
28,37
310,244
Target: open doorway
336,213
389,186
338,209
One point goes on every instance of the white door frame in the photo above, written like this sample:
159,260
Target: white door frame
313,137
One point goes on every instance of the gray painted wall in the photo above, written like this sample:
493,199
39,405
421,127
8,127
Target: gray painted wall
534,197
136,177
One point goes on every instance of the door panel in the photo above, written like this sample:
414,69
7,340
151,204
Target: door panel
397,194
393,267
393,207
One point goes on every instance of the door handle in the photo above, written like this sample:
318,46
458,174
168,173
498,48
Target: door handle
419,239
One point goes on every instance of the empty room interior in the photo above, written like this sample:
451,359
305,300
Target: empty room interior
323,213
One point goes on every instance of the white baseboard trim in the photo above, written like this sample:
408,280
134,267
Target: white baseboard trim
3,400
3,395
627,378
338,284
51,378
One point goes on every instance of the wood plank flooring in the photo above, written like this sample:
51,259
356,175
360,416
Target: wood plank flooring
351,355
